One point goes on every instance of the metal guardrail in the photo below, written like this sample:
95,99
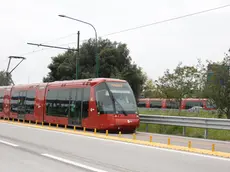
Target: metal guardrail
206,123
176,110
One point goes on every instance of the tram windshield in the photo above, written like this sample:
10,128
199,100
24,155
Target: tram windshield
115,98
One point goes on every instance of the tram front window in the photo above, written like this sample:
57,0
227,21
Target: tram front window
115,97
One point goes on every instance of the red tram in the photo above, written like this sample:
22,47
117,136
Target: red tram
101,103
171,104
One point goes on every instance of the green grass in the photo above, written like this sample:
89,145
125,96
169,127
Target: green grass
190,132
201,113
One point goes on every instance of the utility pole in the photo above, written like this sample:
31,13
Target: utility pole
77,55
96,54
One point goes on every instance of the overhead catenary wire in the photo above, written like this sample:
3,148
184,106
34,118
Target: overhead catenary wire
167,20
146,25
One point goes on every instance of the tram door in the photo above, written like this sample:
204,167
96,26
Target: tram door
75,106
22,105
79,104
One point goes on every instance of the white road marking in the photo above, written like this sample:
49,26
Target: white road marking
121,142
73,163
8,143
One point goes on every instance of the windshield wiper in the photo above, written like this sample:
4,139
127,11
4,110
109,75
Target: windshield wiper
122,109
115,100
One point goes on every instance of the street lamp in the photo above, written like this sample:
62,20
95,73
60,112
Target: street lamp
97,59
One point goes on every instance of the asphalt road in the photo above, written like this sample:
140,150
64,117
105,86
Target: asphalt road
13,159
30,149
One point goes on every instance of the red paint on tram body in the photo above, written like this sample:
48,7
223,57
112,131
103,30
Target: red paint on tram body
101,103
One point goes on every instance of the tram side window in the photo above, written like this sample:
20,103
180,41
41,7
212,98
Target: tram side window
85,102
141,104
57,102
190,104
30,101
63,102
75,102
1,100
21,102
155,104
51,102
14,101
170,104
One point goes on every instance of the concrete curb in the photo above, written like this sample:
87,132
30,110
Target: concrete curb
134,140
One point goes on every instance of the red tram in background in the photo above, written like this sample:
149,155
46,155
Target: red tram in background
101,103
172,104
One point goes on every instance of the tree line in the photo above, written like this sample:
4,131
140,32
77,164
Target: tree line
210,80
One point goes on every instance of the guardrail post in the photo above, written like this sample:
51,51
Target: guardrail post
206,133
147,127
184,131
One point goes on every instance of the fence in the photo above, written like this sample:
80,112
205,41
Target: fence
206,123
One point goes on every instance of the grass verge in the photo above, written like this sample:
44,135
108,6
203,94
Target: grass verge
190,132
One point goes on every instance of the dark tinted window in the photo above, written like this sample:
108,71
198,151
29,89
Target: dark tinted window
63,102
30,101
190,104
51,102
156,104
14,101
171,104
1,100
85,102
68,102
57,102
104,101
21,102
141,104
75,102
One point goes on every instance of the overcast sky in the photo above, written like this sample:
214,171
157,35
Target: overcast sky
154,48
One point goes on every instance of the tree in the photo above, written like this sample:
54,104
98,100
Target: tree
115,62
4,80
217,87
181,83
150,90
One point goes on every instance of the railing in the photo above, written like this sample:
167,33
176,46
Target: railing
206,123
192,110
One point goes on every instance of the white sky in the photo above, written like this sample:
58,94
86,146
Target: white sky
154,48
